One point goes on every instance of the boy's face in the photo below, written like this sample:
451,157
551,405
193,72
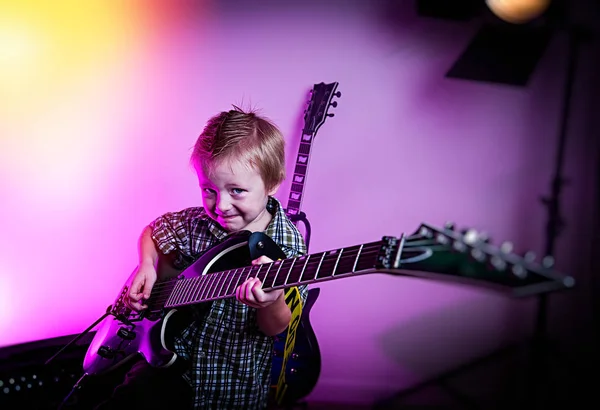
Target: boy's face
234,195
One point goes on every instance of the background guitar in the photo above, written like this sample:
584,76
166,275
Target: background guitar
304,365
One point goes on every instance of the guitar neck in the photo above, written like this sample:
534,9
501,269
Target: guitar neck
299,177
304,270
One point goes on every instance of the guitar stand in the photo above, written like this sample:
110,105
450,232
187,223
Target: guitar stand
86,331
537,392
76,386
301,217
85,376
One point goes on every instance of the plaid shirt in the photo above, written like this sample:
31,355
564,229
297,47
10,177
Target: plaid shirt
230,357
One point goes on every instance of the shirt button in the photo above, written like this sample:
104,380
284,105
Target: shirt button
201,354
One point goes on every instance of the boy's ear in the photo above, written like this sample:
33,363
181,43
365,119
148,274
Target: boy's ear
273,190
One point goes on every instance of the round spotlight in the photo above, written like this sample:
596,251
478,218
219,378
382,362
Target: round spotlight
518,11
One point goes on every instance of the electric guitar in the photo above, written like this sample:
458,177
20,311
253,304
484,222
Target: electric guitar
430,252
304,363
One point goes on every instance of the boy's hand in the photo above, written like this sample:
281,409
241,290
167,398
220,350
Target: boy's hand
250,292
141,286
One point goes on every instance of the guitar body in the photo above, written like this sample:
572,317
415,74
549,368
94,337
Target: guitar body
304,365
127,334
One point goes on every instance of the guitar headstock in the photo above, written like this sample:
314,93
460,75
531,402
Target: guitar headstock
318,106
469,255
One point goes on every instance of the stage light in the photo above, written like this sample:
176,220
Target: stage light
518,11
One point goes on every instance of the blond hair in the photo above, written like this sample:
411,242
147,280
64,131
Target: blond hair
243,136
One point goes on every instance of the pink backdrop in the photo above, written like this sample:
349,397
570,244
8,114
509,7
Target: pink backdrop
102,103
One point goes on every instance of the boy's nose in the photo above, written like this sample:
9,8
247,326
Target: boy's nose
223,205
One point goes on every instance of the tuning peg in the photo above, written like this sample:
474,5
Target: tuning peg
331,115
426,232
484,237
450,226
470,236
478,255
506,247
459,246
338,94
498,263
548,261
529,256
334,104
519,271
441,238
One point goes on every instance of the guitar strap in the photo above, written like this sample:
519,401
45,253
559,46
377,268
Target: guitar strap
294,302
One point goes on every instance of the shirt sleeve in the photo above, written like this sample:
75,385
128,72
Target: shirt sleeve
172,231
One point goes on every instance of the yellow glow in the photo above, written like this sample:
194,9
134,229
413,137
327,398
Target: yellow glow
44,44
62,63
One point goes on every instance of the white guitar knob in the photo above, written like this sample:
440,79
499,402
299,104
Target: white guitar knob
519,271
529,256
506,247
548,261
470,236
498,263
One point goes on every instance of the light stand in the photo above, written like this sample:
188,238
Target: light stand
555,223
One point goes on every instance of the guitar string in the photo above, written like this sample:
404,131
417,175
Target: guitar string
163,290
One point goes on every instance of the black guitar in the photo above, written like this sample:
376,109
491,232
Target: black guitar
434,253
304,364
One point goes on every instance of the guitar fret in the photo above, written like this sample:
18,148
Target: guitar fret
199,288
285,282
228,285
215,285
357,256
346,263
336,262
178,291
366,260
280,263
233,283
209,285
190,291
296,271
303,269
220,286
316,271
326,264
297,187
264,279
196,288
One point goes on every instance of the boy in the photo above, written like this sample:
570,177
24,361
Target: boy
240,162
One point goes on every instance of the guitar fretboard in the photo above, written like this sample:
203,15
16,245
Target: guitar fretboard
299,177
343,262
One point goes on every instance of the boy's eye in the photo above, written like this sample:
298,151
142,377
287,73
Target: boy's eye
207,191
237,191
